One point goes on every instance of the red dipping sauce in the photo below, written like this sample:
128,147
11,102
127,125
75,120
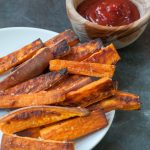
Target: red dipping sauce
109,12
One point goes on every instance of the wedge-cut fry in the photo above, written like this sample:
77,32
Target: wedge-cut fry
73,83
67,35
34,66
37,84
40,98
89,94
120,101
82,51
13,142
32,132
83,68
107,55
75,128
15,58
36,116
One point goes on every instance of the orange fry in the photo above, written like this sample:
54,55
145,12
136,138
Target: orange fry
37,84
83,68
13,142
23,100
89,94
82,51
120,101
75,128
67,35
107,55
15,58
36,116
73,83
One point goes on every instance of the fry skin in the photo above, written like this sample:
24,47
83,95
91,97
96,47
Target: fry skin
89,94
32,132
83,68
37,84
40,98
73,83
15,58
36,116
13,142
67,35
120,101
82,51
34,66
75,128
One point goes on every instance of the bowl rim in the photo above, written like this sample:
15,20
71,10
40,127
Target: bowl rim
140,22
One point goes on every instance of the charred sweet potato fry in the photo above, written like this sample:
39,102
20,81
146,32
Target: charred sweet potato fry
83,68
15,58
82,51
37,84
107,55
89,94
13,142
73,83
40,98
34,66
36,116
67,35
123,101
75,128
120,101
32,132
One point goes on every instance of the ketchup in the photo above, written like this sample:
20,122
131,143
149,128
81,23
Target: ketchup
109,12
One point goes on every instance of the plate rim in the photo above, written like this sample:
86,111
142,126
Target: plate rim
28,28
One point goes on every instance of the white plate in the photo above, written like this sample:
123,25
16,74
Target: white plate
13,38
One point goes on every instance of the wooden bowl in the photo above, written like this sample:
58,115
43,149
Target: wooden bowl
121,36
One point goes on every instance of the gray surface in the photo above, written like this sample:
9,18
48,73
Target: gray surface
130,130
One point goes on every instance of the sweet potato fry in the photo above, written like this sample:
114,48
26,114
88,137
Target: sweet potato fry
41,98
75,128
89,94
37,84
67,35
32,132
15,58
73,83
107,55
83,68
120,101
82,51
13,142
36,116
34,66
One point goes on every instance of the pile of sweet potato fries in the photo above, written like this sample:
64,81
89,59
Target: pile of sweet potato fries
61,90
